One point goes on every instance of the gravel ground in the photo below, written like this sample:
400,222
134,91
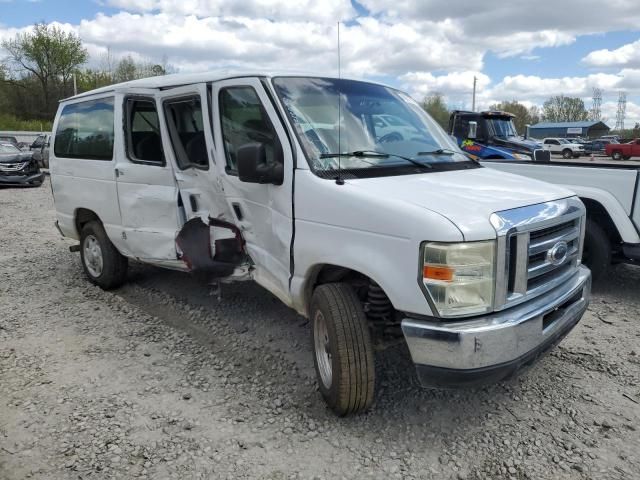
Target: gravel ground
161,380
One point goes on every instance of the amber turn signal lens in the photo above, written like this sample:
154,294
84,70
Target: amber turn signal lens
444,274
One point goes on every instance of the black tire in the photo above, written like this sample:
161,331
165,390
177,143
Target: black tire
113,271
597,249
616,155
626,157
567,153
348,348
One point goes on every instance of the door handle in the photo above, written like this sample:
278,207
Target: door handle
193,200
119,173
237,209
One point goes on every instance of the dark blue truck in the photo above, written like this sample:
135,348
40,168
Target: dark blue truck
491,135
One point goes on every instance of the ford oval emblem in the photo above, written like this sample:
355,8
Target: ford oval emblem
558,253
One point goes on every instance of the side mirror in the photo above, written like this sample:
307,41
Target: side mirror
526,131
473,130
251,160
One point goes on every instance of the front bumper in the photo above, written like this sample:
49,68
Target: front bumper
21,179
493,347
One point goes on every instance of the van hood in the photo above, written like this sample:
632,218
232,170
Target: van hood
465,197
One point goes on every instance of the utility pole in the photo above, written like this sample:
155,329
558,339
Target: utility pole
75,85
473,101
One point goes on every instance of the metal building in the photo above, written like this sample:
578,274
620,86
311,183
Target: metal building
587,128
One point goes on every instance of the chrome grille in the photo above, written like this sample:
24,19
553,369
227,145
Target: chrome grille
539,247
12,167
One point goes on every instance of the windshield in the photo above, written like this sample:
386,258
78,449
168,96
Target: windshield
6,148
502,127
362,125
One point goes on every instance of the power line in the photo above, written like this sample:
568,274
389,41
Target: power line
622,109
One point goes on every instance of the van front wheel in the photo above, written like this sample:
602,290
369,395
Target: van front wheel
103,264
343,353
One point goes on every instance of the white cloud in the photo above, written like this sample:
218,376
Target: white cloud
451,84
625,56
327,11
632,114
423,45
572,17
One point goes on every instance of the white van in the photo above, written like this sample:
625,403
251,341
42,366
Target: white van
286,181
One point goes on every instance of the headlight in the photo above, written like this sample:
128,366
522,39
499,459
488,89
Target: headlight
522,156
459,277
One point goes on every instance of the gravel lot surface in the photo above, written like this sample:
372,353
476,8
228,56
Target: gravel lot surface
161,380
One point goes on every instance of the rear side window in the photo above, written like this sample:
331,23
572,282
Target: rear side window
185,125
244,121
85,130
144,144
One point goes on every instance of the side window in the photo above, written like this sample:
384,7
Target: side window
85,130
461,127
244,120
186,130
144,144
547,142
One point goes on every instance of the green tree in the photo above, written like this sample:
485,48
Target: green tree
524,116
435,106
126,70
564,109
48,54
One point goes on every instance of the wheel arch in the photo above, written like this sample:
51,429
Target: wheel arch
82,216
606,206
597,212
328,273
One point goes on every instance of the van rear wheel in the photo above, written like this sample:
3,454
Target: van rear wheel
103,264
343,353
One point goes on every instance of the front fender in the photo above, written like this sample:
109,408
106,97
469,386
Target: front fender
616,212
392,262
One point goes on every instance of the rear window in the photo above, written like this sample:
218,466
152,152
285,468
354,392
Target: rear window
85,130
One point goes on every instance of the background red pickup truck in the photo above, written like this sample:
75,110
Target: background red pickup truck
619,151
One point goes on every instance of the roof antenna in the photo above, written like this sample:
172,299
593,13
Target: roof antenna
339,179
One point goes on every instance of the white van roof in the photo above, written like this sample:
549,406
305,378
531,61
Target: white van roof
166,81
180,79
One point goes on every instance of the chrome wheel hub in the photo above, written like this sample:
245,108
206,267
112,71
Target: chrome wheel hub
322,349
93,256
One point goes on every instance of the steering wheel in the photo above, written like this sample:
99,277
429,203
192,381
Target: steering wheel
391,137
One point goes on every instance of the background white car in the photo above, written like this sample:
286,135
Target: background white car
564,147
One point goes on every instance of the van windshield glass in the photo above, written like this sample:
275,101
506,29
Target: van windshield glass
362,125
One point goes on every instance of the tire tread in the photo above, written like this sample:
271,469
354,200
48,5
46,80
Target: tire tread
353,346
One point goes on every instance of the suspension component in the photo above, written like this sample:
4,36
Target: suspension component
379,306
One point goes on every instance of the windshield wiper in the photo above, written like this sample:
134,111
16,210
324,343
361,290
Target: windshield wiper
439,151
357,153
375,154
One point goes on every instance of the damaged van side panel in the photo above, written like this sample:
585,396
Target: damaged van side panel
147,190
